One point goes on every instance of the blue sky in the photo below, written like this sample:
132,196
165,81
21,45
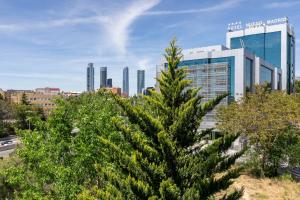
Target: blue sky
49,42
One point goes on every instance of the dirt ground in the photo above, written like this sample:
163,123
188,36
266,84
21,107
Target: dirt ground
272,189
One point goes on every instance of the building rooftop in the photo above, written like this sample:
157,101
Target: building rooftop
204,49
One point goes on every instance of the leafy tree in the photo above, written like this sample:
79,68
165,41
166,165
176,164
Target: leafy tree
6,113
270,121
168,159
26,114
58,157
297,86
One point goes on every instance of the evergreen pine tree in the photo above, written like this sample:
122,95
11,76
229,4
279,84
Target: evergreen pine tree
168,159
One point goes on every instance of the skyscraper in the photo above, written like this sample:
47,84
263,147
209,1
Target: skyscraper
140,81
126,81
90,77
103,77
109,83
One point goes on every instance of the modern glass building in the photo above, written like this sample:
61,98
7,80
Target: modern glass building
125,86
218,70
140,81
109,83
90,77
103,77
275,43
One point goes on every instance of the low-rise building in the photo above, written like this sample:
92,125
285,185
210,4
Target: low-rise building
43,98
48,91
115,90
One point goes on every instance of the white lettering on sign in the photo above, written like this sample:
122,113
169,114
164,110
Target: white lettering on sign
238,25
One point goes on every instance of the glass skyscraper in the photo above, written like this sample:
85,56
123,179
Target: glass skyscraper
140,81
109,83
103,77
90,77
125,86
273,43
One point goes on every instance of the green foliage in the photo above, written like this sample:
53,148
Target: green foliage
58,158
25,114
6,191
102,146
6,113
167,159
297,86
270,121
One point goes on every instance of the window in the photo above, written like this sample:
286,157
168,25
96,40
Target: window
249,75
265,76
264,45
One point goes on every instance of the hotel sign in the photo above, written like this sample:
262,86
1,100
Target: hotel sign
238,25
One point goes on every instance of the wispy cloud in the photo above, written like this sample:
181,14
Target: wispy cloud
282,4
118,27
15,27
225,4
40,76
115,25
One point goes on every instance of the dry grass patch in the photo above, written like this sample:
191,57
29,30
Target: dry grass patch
273,189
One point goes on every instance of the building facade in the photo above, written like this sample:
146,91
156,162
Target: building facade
275,43
125,86
103,77
39,99
218,70
140,81
109,83
115,90
48,91
90,75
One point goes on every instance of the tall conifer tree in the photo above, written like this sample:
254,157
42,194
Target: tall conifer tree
167,159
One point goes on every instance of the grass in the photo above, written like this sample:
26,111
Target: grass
266,188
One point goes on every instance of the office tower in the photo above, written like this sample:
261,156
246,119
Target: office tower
140,81
273,41
90,77
109,83
103,77
125,81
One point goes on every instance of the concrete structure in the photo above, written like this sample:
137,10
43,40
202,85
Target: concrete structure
140,81
218,70
273,41
109,83
90,75
103,77
125,86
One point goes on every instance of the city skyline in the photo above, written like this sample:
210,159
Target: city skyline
49,43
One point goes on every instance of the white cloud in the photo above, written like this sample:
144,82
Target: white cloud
217,7
15,27
282,4
118,26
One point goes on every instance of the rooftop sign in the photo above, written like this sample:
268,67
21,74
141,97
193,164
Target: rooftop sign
238,25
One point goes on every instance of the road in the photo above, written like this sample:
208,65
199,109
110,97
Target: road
7,149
